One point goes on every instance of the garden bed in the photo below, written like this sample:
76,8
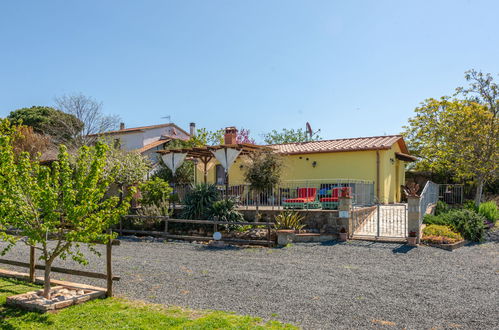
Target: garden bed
445,246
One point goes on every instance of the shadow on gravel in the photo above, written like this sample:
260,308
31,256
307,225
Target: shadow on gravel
216,248
333,243
403,249
395,247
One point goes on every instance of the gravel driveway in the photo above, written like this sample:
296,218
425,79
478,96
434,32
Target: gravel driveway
317,286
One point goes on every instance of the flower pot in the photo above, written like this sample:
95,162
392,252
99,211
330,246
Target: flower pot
343,237
411,241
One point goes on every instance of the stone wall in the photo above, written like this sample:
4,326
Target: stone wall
325,221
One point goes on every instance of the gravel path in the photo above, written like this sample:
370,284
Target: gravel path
349,285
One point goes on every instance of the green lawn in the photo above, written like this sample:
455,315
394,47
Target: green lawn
115,313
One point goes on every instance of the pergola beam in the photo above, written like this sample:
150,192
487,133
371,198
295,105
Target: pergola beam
205,153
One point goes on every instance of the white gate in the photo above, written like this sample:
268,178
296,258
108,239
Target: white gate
380,221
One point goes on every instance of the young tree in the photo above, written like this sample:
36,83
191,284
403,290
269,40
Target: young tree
65,203
289,136
263,172
89,113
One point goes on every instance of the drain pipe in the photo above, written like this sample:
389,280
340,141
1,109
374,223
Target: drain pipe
377,175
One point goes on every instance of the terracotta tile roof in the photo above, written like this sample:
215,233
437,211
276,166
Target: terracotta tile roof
153,145
138,129
352,144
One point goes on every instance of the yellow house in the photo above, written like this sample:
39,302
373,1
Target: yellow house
378,159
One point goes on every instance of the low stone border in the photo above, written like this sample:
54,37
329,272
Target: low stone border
89,293
29,300
290,236
448,247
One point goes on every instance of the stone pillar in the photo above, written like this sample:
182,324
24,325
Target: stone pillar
344,215
413,216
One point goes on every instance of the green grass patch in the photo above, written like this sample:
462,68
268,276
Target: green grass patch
115,313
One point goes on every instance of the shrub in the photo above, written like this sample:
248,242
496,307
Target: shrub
443,231
470,205
289,220
225,210
441,208
489,210
468,223
155,191
431,219
199,200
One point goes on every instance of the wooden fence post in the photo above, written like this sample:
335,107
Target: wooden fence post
109,270
268,233
166,226
32,264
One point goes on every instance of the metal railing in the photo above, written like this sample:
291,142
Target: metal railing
451,193
428,196
362,192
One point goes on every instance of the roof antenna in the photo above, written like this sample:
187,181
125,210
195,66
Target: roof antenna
169,118
309,131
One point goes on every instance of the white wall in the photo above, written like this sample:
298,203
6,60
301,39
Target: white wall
130,141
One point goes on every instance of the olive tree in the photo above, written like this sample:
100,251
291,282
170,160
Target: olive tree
55,209
263,172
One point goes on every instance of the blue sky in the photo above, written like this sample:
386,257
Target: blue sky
350,68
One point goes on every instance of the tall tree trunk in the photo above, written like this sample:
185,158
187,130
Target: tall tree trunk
46,279
479,190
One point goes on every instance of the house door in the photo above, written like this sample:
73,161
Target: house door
220,175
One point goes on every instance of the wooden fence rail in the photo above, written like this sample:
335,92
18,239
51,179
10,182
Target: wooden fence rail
108,275
215,223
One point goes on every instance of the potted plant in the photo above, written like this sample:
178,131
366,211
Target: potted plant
343,234
345,192
411,240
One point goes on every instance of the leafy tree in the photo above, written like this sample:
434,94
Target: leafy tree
458,136
64,203
155,191
48,121
205,137
263,171
289,136
89,113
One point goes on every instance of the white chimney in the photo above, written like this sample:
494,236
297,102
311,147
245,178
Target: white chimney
192,129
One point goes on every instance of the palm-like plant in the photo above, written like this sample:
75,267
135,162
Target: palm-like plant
199,200
289,220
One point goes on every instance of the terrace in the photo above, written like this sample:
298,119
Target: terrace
362,193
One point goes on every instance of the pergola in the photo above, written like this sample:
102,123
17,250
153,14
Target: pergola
226,154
